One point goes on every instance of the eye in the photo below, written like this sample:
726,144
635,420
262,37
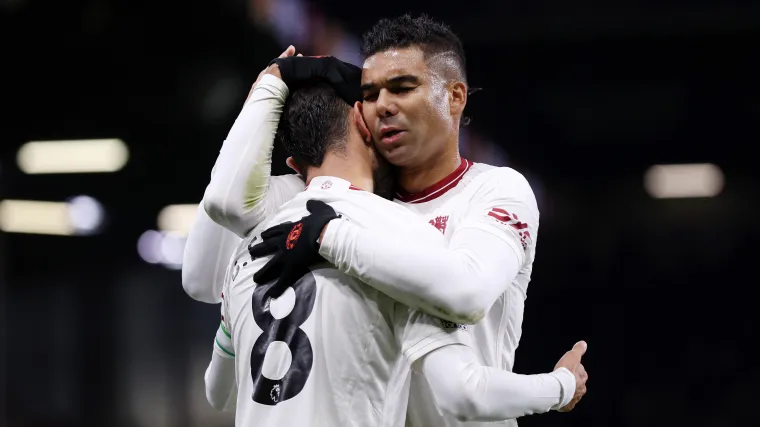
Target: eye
402,89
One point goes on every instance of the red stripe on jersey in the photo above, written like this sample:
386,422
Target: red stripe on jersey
439,188
503,218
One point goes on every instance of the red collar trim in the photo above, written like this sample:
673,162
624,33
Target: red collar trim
438,189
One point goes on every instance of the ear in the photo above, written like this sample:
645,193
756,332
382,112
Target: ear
458,98
292,164
360,124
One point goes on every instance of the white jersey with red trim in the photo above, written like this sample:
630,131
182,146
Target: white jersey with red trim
331,351
498,200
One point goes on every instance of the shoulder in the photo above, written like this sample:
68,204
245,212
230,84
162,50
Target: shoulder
503,182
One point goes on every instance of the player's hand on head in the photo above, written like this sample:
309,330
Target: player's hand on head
295,247
572,362
273,69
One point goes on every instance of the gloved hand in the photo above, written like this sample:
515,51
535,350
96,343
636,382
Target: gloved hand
294,246
345,78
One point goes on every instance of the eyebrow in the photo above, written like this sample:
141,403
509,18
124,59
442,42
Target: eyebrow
406,78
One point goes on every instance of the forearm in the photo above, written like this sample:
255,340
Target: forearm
238,189
472,392
459,283
208,250
220,381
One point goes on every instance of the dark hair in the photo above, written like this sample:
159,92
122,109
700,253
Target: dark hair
314,121
432,37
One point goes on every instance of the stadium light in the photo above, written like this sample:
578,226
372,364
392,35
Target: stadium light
684,181
81,215
76,156
164,248
177,218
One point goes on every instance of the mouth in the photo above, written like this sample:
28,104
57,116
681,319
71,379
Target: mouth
391,135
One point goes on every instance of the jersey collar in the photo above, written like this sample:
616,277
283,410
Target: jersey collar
330,183
439,188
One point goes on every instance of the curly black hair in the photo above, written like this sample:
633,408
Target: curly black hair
432,37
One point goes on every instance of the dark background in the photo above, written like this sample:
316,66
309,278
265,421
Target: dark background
582,97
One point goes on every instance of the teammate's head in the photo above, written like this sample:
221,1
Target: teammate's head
415,88
318,126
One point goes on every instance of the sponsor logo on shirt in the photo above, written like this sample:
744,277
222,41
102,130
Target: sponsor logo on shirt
445,324
503,217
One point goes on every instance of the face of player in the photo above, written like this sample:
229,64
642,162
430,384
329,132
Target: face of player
406,107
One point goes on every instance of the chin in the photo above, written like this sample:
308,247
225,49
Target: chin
398,157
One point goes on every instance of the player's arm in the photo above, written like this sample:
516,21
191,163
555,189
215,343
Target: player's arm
242,191
208,250
221,386
473,392
460,282
465,388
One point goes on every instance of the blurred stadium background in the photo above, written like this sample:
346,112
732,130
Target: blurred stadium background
652,265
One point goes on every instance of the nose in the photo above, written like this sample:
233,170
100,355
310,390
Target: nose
386,106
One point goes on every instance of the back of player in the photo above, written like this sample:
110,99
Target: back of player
330,351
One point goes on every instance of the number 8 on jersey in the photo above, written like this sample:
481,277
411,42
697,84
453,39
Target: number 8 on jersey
269,391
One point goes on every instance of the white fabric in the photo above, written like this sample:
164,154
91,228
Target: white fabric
457,283
208,249
360,341
221,388
470,392
237,196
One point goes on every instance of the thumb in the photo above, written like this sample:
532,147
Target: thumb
580,347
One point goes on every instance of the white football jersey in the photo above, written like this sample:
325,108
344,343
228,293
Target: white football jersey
331,351
500,201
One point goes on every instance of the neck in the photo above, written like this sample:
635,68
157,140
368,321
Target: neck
414,179
355,171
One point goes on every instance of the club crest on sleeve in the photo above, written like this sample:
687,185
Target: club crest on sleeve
503,217
325,185
295,233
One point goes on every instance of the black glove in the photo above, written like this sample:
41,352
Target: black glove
294,246
345,78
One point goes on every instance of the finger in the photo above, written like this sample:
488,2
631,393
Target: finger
582,372
286,280
288,52
580,347
263,249
277,230
300,54
271,270
319,207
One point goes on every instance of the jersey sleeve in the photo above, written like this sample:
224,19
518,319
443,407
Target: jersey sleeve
221,386
208,250
459,282
223,340
242,191
472,392
418,334
506,207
